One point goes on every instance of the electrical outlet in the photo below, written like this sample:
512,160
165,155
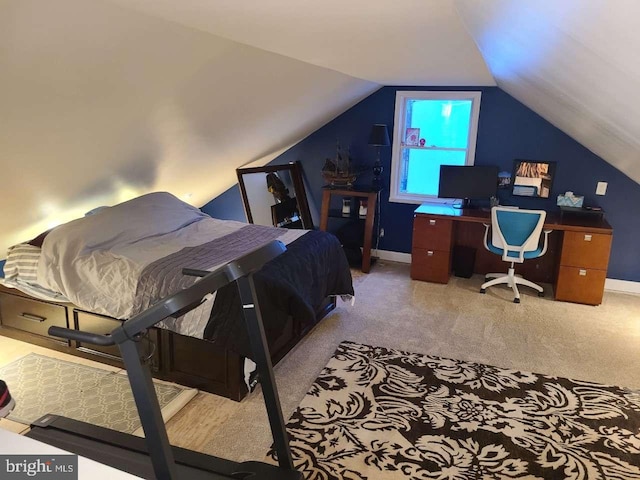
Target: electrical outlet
601,189
381,232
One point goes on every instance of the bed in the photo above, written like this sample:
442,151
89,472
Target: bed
119,260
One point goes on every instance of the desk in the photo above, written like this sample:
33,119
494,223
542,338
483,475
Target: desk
575,263
371,195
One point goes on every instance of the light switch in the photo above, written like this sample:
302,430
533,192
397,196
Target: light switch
601,189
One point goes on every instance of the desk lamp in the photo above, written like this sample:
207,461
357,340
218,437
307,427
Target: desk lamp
379,138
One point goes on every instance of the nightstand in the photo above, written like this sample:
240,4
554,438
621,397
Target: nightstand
371,194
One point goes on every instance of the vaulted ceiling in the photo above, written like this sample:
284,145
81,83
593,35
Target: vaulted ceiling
104,100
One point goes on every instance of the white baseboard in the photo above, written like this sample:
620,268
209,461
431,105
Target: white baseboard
625,286
610,284
392,256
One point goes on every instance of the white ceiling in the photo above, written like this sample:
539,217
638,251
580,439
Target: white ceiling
408,42
100,103
108,99
574,62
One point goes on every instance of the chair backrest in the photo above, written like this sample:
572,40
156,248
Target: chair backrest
516,230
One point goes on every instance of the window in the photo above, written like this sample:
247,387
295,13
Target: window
431,129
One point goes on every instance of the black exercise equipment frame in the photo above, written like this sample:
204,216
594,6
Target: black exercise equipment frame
127,338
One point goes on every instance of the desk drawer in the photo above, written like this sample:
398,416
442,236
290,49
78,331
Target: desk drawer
430,265
31,315
432,233
580,285
586,250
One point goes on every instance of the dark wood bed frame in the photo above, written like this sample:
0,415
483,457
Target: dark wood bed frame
177,358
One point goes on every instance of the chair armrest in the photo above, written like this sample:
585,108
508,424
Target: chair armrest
486,235
546,241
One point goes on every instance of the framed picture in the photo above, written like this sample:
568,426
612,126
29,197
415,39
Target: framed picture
412,137
532,178
504,179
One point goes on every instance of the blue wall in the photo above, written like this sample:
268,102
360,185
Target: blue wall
227,206
507,130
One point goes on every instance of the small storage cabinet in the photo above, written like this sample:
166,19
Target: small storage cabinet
583,267
431,248
371,194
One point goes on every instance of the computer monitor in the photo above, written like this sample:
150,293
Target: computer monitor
468,182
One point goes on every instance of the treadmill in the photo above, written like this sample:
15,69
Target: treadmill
153,457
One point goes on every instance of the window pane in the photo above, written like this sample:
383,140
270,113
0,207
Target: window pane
442,123
421,169
447,122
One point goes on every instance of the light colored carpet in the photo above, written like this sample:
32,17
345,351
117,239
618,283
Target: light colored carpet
42,385
599,344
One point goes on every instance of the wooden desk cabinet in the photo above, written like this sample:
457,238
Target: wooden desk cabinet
431,250
583,267
580,266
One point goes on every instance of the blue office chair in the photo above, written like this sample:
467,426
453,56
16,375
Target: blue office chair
515,234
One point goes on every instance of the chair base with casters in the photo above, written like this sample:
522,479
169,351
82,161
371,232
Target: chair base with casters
512,280
515,236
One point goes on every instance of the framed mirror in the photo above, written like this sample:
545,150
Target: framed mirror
532,178
274,195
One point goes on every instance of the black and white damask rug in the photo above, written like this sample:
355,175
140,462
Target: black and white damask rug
378,413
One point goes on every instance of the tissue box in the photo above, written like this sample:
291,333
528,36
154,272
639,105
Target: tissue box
570,200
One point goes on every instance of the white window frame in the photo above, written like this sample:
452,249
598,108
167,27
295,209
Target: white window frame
398,137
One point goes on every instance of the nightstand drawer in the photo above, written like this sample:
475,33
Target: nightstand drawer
580,285
31,315
586,250
432,233
430,265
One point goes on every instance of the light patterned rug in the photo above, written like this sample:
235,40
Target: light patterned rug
378,413
42,385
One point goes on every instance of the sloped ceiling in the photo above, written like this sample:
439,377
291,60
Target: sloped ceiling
100,103
411,42
574,62
104,100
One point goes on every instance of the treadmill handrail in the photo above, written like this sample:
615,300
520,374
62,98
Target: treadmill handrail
182,301
80,336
